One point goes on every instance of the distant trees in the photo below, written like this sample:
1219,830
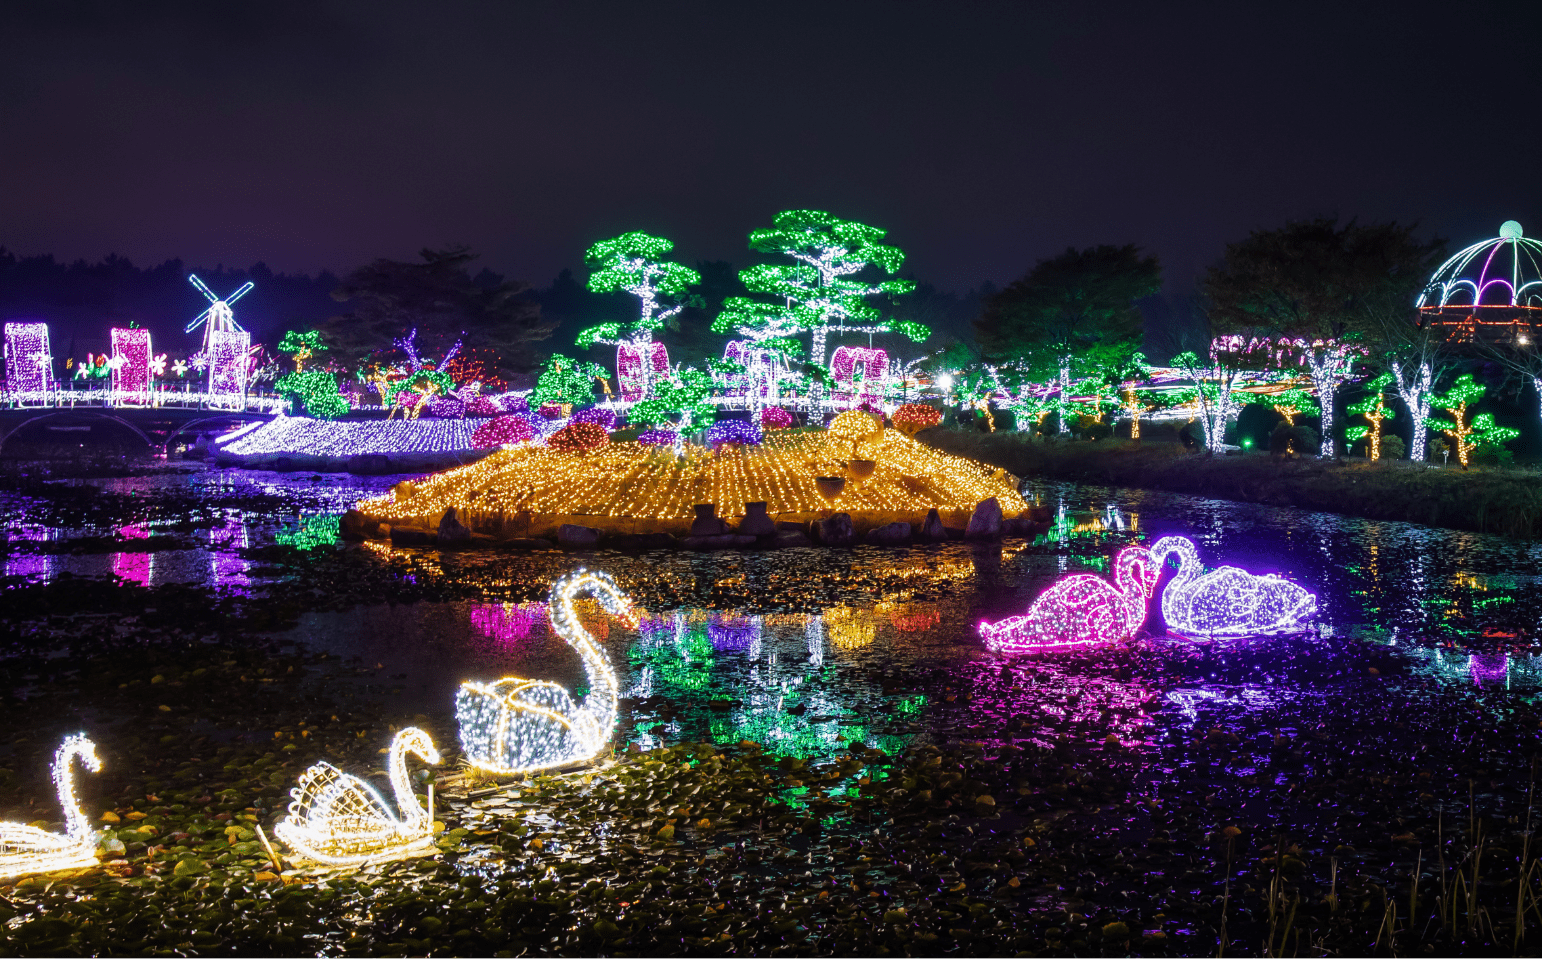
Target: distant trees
1324,286
439,298
1079,305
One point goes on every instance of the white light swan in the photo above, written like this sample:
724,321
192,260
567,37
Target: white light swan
339,819
27,849
1228,601
517,726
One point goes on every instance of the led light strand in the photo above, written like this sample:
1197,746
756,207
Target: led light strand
1228,601
1082,608
28,363
516,726
27,849
339,819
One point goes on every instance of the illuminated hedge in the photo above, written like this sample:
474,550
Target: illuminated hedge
594,414
734,431
658,438
912,418
504,430
775,418
579,438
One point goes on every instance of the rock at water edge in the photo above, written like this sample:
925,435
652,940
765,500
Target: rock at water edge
986,522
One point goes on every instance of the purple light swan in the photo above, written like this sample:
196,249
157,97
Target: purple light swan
1228,601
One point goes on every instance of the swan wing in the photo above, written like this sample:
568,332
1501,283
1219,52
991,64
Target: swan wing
328,795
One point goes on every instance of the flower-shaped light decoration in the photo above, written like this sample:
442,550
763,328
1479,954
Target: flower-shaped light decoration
179,367
158,365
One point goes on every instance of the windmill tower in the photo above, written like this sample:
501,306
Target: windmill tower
225,346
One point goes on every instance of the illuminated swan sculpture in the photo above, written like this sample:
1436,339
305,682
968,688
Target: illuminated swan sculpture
517,726
339,819
1228,601
28,849
1082,608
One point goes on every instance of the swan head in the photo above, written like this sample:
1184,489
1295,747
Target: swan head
84,749
601,587
1143,565
414,740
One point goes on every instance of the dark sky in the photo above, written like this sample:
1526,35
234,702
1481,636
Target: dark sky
982,136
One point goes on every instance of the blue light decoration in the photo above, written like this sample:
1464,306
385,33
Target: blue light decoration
743,432
658,438
1228,602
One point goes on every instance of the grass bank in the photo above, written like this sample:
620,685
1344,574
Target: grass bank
1483,500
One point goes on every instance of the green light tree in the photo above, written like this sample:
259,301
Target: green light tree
1467,436
632,263
301,346
817,294
678,400
314,391
566,380
1289,404
1374,408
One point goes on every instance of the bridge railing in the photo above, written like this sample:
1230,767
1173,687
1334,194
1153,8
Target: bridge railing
63,397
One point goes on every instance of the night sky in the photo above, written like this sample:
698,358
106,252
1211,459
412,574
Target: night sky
982,136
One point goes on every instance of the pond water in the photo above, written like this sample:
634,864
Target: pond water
805,650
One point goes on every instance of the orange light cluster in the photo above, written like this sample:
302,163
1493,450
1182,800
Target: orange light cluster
578,437
643,482
912,418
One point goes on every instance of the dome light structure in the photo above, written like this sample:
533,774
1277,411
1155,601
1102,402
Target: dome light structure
1491,291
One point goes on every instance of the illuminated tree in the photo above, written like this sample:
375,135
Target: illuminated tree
1216,379
631,263
314,391
1071,313
1321,288
566,380
1465,436
818,293
1375,410
1289,404
679,399
302,346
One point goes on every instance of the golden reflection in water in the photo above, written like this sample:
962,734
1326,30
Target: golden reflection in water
849,628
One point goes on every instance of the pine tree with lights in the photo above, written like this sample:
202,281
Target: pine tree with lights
1289,404
566,380
818,293
301,347
1375,409
1468,436
679,399
633,263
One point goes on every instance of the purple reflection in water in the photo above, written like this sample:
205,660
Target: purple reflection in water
732,633
508,622
134,567
31,565
1489,667
225,563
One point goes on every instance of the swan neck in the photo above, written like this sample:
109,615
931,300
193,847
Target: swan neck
1188,564
64,781
406,802
603,696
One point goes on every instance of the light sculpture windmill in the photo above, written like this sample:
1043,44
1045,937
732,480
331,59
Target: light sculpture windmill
225,345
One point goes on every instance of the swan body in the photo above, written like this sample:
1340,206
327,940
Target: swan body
339,819
516,726
1228,601
28,849
1082,608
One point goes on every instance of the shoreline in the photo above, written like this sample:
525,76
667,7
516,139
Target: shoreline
1505,502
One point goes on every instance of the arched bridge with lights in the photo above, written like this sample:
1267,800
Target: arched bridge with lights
160,428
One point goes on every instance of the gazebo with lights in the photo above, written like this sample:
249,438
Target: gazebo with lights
1491,292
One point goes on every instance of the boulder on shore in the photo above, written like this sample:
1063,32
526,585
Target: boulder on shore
451,531
932,531
573,536
985,524
891,534
838,530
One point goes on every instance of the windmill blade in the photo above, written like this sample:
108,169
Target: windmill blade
193,279
198,320
239,293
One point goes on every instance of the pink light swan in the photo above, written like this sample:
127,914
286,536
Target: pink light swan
1082,608
1228,601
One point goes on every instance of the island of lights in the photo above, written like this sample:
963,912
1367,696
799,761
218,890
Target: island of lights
27,849
1228,601
289,435
640,481
1082,608
516,726
339,819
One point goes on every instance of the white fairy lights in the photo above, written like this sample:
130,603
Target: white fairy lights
339,819
290,435
27,849
517,726
1228,601
28,363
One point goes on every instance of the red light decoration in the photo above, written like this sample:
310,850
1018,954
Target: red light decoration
503,431
579,438
912,418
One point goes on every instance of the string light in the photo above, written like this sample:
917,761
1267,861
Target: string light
228,368
28,362
302,435
578,438
658,438
861,370
516,726
912,418
1228,601
1374,409
1468,436
775,418
743,432
339,819
1082,608
131,371
605,419
28,849
634,480
505,431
